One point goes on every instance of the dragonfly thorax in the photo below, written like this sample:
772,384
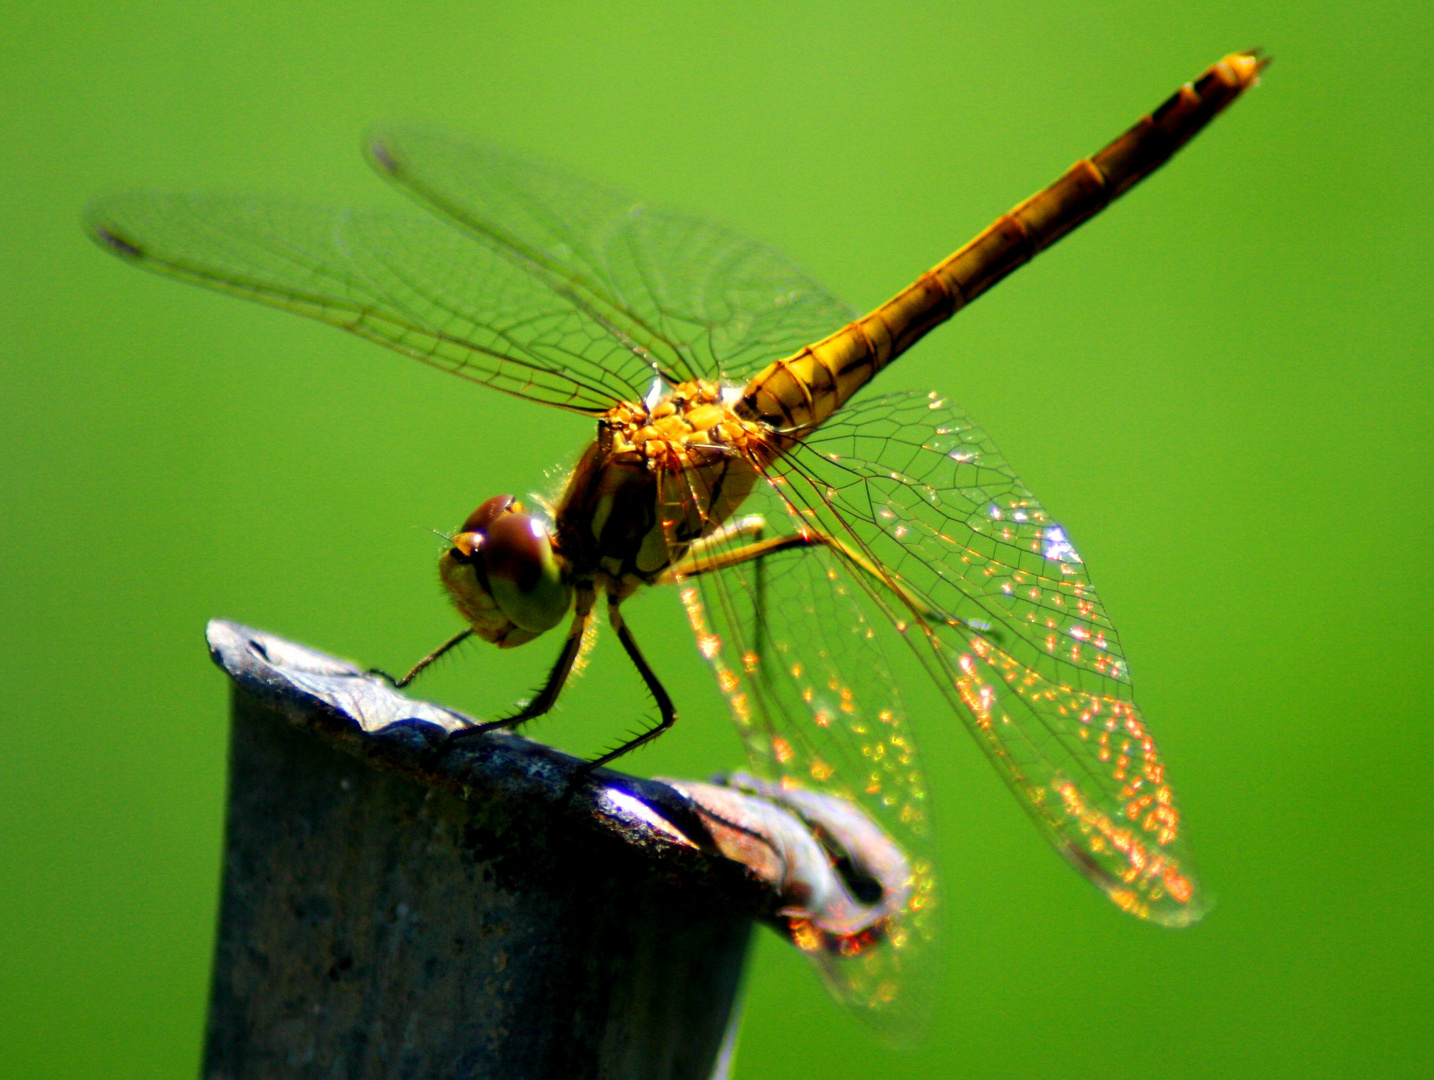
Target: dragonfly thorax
503,575
691,424
661,474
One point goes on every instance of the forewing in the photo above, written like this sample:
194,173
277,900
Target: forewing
999,608
412,283
694,298
808,685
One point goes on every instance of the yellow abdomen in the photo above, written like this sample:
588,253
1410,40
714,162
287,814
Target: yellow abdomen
798,393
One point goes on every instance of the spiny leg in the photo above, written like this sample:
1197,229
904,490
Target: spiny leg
665,708
562,667
704,561
423,665
744,527
701,559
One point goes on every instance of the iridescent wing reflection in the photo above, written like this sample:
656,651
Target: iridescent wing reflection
926,522
997,604
806,678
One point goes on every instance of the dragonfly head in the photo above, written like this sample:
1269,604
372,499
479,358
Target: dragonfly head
503,574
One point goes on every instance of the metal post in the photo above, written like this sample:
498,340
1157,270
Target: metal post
396,907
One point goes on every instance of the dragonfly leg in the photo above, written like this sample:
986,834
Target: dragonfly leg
705,561
748,526
665,708
702,559
553,685
420,667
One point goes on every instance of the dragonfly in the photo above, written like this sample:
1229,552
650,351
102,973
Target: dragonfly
805,524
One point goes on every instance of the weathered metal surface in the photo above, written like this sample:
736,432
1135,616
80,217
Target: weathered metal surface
396,908
395,905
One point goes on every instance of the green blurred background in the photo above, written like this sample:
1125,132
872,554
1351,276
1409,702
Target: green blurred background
1221,387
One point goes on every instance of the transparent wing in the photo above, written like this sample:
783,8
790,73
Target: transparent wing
695,298
995,600
408,282
817,707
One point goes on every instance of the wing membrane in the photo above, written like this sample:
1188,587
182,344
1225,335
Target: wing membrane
817,707
536,282
700,300
1012,631
407,282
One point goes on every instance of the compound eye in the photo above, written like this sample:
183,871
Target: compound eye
489,512
515,548
524,575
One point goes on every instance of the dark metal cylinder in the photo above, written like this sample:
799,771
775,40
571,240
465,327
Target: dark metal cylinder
377,922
